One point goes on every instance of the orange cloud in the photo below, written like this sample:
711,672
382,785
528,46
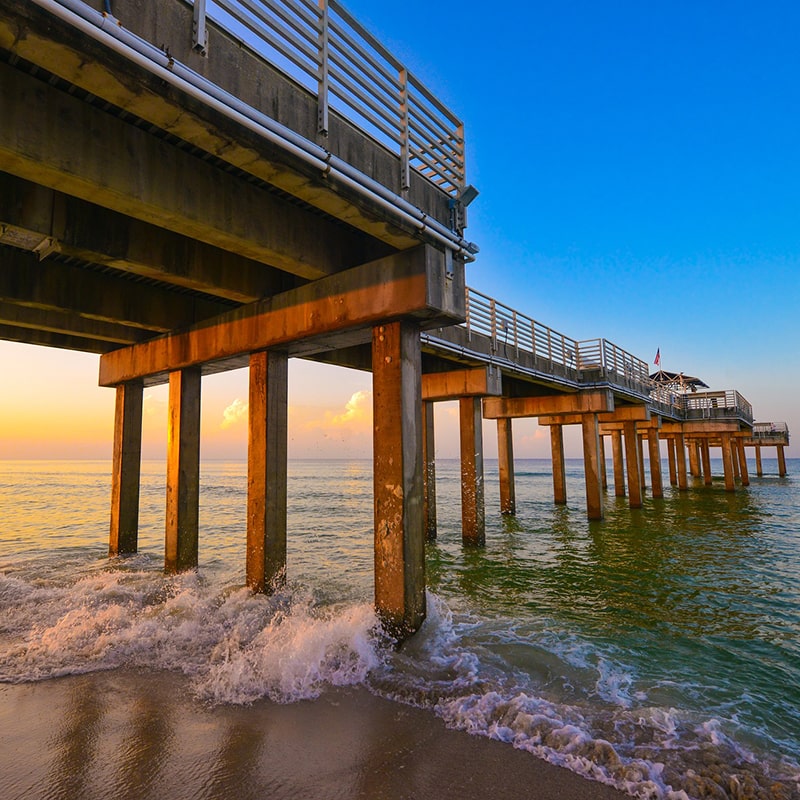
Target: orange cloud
234,413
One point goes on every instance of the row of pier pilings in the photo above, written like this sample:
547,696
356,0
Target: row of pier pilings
404,463
630,429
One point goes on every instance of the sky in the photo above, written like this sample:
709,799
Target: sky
639,177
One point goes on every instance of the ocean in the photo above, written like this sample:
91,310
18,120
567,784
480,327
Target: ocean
657,650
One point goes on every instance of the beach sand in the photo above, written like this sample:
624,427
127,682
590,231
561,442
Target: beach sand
138,734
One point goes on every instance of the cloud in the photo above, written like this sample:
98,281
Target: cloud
358,408
234,413
357,413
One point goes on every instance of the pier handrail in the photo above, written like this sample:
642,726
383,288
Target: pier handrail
770,430
706,405
504,325
594,360
325,49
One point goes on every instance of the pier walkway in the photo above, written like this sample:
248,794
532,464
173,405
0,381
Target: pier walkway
185,195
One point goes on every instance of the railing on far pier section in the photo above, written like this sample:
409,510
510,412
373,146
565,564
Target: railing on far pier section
322,47
590,360
593,360
711,405
771,432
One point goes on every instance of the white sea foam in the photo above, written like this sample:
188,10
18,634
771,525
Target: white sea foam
237,646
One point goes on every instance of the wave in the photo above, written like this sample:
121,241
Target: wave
554,696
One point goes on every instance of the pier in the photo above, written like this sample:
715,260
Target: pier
184,195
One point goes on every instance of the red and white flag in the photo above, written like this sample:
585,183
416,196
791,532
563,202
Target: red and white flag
657,359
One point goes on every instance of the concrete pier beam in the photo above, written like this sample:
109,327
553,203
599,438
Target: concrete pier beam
654,453
473,513
694,458
632,464
591,466
619,463
672,461
126,469
429,473
780,452
505,458
640,444
183,470
603,473
705,453
559,469
397,455
680,457
743,473
727,463
266,470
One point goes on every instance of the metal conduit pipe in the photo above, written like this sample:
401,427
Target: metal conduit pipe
107,30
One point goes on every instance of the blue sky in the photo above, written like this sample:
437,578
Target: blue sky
639,172
639,181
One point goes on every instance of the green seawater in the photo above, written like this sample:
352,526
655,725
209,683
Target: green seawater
657,649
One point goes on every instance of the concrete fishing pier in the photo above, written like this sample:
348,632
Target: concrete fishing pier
183,199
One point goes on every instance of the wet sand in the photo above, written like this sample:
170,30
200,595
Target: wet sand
130,735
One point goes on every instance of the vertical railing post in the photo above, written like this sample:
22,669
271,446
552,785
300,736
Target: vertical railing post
516,334
199,31
459,149
405,159
322,69
493,322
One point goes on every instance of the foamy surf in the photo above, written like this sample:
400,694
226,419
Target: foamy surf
237,646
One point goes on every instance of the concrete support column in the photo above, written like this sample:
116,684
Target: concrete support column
559,469
680,457
591,466
619,463
473,515
429,473
654,453
694,458
640,445
759,465
632,464
397,476
781,460
505,459
735,460
183,470
266,470
743,474
126,469
727,462
672,461
705,451
603,473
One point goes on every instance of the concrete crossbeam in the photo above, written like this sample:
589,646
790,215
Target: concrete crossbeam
94,234
54,286
578,403
412,283
478,382
59,141
54,321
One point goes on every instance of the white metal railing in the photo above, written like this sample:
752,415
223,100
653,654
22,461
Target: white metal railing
320,45
591,359
717,404
766,430
511,328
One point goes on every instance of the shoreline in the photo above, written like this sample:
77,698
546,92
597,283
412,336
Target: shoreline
141,735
